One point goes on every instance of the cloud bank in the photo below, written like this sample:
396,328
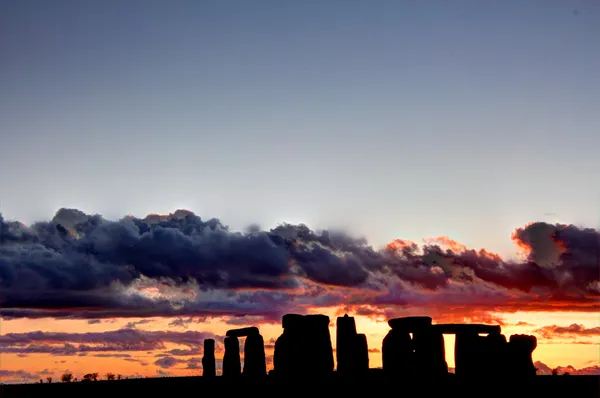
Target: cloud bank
113,342
84,266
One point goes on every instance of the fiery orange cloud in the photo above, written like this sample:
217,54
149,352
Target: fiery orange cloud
400,244
447,242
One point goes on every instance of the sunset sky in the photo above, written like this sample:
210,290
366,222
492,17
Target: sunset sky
171,170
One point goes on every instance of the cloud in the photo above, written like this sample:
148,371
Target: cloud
185,322
179,265
22,376
112,356
122,340
194,363
168,362
552,331
133,325
93,321
521,323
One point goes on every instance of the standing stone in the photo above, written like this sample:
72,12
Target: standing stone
520,347
208,359
430,352
467,353
320,349
398,351
254,356
304,348
231,359
352,351
497,359
361,353
345,341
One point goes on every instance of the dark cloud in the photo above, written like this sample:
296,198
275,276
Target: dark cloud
194,363
187,352
571,330
185,322
113,342
134,324
249,320
179,265
93,321
168,362
112,356
22,376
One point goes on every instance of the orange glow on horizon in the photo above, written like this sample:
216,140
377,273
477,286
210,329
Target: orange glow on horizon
579,352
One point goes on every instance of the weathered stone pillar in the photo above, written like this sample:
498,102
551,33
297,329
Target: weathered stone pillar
208,359
430,352
345,341
304,348
352,351
231,359
397,350
254,350
254,356
361,353
520,347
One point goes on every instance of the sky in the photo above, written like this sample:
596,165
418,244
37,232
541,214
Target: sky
459,126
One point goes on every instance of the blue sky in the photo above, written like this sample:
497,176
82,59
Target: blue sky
390,118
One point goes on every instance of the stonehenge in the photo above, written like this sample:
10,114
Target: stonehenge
413,346
254,353
304,348
231,358
352,352
424,352
520,348
208,359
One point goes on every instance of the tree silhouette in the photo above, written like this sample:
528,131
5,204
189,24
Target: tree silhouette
90,377
119,377
49,379
66,377
555,372
110,376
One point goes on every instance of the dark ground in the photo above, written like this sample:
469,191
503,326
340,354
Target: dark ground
373,384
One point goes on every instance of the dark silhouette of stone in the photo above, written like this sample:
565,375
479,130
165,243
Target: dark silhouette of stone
473,353
410,323
362,353
231,359
292,321
520,347
429,352
467,347
304,348
352,351
319,345
254,350
208,359
399,355
496,359
254,356
456,328
345,334
397,352
242,332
